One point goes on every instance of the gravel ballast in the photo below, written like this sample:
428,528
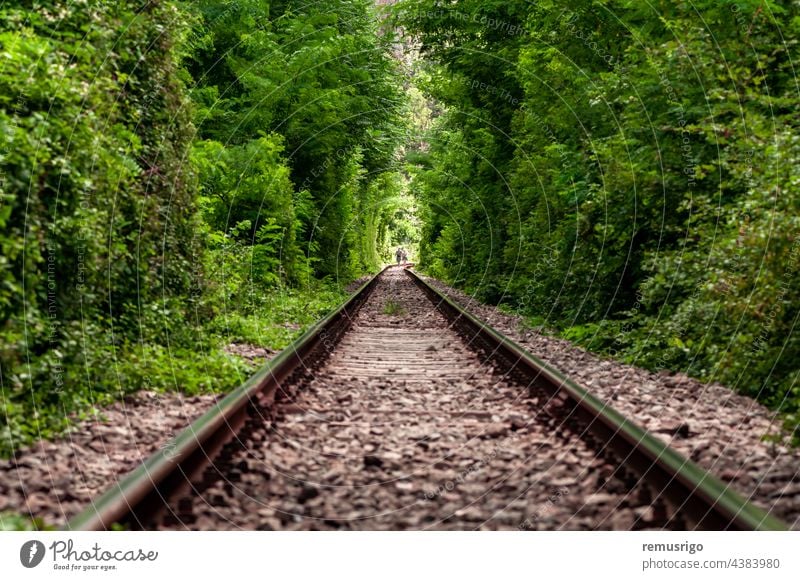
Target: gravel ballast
722,431
403,427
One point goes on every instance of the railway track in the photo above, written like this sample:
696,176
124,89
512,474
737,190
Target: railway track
401,411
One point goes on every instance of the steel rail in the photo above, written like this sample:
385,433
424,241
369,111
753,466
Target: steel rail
693,492
148,488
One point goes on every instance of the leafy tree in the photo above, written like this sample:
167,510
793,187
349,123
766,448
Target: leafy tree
314,85
620,171
98,231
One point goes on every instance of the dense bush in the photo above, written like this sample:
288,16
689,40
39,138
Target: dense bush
99,252
176,175
298,107
626,173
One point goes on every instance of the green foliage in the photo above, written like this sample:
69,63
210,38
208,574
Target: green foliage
272,320
624,172
175,175
98,230
247,200
11,522
299,108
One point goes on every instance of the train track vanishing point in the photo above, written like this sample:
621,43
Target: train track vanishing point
400,410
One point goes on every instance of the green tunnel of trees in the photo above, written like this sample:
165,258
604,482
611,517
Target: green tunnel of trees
175,173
